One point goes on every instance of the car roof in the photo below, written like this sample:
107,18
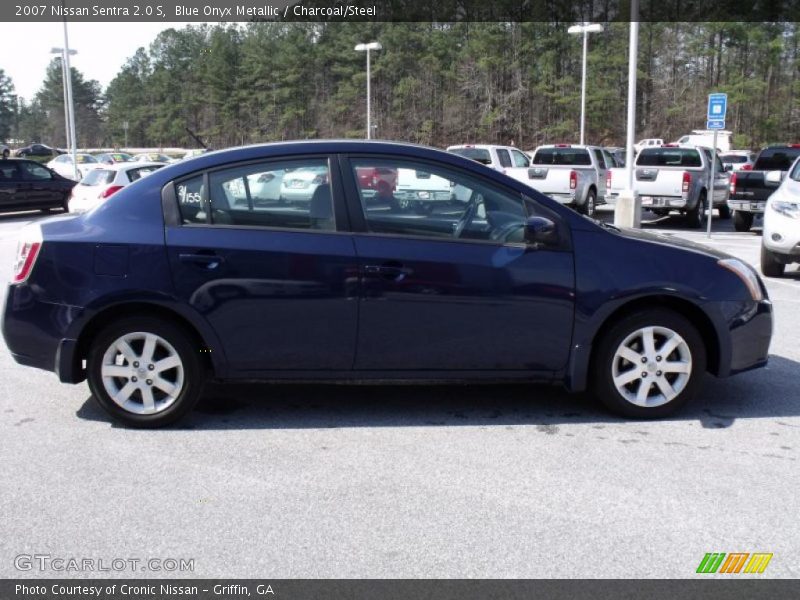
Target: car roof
123,166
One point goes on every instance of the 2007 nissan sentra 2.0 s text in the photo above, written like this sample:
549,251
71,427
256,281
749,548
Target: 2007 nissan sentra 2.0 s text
202,270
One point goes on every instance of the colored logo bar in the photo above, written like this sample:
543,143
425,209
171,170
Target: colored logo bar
734,562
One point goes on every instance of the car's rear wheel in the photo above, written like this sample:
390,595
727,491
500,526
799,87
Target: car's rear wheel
145,372
589,205
697,217
724,211
649,364
6,154
771,265
742,221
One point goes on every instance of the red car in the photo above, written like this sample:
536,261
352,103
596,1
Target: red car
381,179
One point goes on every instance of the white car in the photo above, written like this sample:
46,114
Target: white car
506,159
104,181
647,143
62,164
298,185
780,240
738,160
153,157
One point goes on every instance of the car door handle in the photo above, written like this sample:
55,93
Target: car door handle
207,261
391,271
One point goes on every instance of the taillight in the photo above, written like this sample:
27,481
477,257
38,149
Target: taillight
27,252
608,180
733,183
320,179
687,182
111,190
747,167
573,180
266,177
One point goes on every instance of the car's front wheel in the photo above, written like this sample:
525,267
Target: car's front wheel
6,154
589,205
649,364
771,265
145,372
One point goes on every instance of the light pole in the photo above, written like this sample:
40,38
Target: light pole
367,48
64,86
584,29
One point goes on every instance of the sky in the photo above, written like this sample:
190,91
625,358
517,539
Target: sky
102,49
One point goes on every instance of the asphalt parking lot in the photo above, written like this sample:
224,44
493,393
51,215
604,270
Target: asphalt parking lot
410,481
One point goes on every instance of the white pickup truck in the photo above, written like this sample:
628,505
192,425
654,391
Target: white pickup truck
506,159
571,174
674,178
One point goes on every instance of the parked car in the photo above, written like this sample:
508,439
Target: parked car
110,158
705,138
670,177
749,190
168,285
38,150
62,165
780,240
101,183
738,160
152,157
572,174
299,185
27,185
506,159
5,151
647,143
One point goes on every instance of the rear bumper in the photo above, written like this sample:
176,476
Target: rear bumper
747,205
36,333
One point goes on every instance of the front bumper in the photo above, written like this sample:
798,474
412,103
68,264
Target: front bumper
750,336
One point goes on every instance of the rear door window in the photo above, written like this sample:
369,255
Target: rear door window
503,157
776,159
669,157
98,177
562,156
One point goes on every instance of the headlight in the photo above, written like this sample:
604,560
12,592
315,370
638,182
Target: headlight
787,209
746,274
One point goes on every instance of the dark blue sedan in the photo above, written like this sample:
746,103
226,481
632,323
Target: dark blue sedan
281,262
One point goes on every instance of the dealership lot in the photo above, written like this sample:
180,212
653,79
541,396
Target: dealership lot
411,481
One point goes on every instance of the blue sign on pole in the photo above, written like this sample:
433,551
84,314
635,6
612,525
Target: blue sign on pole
717,107
715,124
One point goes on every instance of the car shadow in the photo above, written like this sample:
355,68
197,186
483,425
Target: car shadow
772,392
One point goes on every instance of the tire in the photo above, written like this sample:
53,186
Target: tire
696,217
724,211
6,154
589,204
771,266
742,221
183,373
627,338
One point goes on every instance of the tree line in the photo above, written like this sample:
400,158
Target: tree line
432,83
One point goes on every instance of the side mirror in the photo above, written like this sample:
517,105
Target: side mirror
540,230
773,178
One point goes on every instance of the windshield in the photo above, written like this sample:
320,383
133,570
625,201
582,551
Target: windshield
86,158
733,158
98,177
669,157
478,154
776,159
562,156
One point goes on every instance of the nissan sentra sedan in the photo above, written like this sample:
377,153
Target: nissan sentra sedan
173,284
